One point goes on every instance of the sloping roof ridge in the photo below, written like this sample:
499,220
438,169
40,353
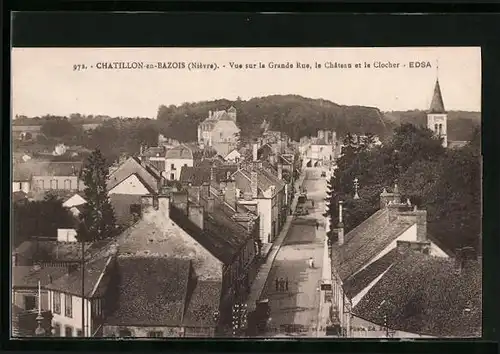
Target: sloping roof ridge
101,276
375,215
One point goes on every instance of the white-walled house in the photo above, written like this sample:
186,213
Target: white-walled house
175,159
65,299
234,156
259,188
395,225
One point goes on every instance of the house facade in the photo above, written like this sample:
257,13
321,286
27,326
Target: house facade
176,158
218,127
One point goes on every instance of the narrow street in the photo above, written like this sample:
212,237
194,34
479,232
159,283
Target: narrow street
295,312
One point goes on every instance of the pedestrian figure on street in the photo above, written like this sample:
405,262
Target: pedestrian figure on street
311,262
286,284
317,225
277,284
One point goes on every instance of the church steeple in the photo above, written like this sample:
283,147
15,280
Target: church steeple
437,105
437,116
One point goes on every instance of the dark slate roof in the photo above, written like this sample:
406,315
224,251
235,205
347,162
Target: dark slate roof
23,171
179,152
437,105
424,295
72,283
154,151
355,284
57,251
366,241
28,276
152,291
199,175
203,302
133,166
265,180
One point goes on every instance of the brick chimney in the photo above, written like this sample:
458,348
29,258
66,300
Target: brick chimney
280,171
205,190
180,200
255,148
254,184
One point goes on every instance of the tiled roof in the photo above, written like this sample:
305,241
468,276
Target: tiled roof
366,241
28,276
423,294
355,284
179,152
199,175
57,251
23,171
437,105
154,151
133,166
265,180
152,291
223,148
72,283
203,302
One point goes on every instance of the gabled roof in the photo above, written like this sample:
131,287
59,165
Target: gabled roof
424,294
154,151
72,283
179,152
133,166
23,171
265,180
355,284
437,105
151,291
204,300
365,241
199,175
28,276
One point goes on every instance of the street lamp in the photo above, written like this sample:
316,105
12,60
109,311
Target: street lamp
356,186
39,331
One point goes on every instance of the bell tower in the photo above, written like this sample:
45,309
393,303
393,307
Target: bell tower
437,117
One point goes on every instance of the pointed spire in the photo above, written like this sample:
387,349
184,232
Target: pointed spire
437,105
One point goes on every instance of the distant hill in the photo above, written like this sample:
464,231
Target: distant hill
296,115
461,124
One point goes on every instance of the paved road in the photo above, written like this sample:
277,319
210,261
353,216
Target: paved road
298,307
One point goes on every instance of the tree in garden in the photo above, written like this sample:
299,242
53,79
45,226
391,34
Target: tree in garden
40,218
97,220
331,209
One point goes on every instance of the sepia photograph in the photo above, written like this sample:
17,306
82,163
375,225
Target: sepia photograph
246,193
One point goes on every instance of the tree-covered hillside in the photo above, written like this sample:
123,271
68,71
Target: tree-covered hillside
295,115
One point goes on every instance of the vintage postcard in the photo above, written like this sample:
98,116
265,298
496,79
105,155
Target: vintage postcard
246,192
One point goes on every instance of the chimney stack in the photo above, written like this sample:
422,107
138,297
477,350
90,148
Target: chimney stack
230,193
280,171
255,148
209,114
340,226
254,184
195,214
212,175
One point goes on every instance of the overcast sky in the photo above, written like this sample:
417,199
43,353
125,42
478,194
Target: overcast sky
44,82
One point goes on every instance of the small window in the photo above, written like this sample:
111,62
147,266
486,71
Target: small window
68,331
67,184
56,330
30,302
56,303
124,333
185,165
172,176
68,305
53,184
155,334
79,333
172,166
